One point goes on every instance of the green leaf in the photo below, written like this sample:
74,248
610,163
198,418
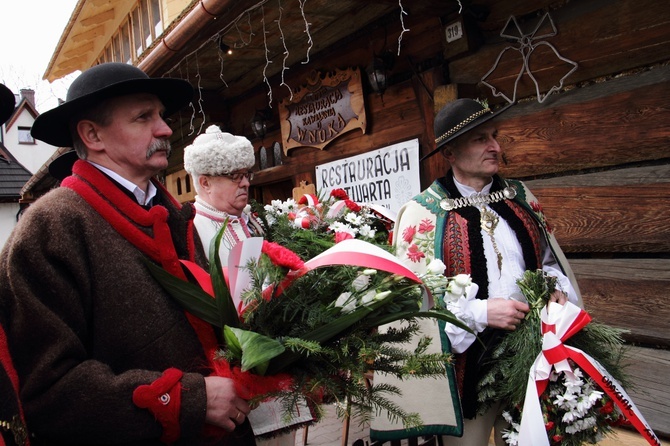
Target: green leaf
255,350
190,296
226,308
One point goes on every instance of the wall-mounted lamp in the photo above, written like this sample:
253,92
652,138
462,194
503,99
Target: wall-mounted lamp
378,71
259,122
224,47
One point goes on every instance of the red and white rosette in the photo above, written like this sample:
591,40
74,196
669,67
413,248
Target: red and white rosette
309,200
558,325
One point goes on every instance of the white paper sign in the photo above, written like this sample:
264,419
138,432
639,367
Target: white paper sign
388,177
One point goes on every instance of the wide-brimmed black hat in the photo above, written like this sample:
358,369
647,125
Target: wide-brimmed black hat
102,82
458,117
7,103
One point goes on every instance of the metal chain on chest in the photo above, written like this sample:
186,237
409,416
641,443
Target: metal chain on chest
16,427
449,204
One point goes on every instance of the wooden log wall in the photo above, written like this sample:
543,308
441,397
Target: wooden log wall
595,153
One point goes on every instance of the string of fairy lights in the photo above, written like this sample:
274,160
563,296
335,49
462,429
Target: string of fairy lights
245,39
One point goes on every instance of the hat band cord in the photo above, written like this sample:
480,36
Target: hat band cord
463,123
449,204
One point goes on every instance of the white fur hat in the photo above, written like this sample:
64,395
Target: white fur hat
215,152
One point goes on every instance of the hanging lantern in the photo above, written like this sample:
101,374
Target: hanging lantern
259,122
378,72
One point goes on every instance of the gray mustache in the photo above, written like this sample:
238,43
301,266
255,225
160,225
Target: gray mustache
160,144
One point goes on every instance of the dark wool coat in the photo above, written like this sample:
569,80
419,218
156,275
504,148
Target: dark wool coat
88,324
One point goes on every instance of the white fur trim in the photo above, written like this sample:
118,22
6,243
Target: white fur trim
215,152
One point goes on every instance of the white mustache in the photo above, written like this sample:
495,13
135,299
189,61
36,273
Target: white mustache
161,144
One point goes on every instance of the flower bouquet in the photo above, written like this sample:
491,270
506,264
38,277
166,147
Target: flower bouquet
298,312
559,376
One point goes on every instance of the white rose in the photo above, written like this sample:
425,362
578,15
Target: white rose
368,297
361,282
342,299
463,280
436,266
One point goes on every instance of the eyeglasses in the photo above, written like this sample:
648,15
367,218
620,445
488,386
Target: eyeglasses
238,176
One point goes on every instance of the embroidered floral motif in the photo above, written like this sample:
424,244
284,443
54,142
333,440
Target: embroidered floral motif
426,226
414,254
408,234
537,208
421,241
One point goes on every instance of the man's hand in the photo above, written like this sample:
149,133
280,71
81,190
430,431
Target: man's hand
558,297
224,408
505,314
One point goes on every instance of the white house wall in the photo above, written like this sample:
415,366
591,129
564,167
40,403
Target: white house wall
8,213
31,156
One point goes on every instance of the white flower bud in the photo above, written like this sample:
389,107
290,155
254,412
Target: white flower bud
382,295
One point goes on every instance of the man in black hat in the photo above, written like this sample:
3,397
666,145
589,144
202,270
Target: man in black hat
490,228
102,353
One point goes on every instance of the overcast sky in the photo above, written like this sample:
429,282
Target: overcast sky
29,33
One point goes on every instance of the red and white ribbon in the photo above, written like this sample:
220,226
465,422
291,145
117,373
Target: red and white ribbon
558,325
352,252
309,200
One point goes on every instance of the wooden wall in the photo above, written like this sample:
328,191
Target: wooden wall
595,153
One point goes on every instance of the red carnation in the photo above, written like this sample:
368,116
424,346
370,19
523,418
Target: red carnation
282,256
352,205
607,408
549,425
340,194
342,235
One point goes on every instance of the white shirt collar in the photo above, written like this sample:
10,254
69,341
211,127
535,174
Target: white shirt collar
143,198
467,191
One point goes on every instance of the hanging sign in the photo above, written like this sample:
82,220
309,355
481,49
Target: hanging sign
323,109
387,177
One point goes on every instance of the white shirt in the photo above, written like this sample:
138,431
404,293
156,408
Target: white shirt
501,282
142,197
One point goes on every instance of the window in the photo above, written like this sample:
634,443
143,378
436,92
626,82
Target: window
146,23
116,48
136,33
156,18
125,41
25,137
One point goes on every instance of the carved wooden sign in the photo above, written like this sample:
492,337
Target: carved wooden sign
323,109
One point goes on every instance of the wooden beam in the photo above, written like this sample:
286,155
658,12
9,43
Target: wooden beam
629,294
609,219
98,19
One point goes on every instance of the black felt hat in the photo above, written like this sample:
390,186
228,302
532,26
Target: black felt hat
458,117
61,166
7,103
102,82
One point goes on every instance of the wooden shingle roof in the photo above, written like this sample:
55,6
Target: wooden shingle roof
12,176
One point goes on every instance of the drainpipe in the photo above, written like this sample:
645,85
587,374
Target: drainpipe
186,29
